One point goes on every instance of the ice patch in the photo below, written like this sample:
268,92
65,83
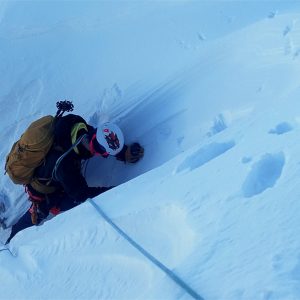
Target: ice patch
204,155
264,174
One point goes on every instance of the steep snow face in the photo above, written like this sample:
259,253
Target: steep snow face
211,90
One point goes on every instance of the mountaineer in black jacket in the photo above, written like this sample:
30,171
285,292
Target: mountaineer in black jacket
75,140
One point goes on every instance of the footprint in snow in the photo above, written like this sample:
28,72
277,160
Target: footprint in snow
281,128
180,140
219,125
165,132
286,30
277,262
288,47
204,155
297,53
280,265
246,159
201,36
272,14
264,174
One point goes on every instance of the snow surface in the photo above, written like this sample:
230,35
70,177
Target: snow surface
211,89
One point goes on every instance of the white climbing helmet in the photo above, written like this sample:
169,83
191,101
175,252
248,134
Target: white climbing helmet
110,136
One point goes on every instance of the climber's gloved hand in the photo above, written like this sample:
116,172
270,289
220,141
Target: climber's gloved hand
134,153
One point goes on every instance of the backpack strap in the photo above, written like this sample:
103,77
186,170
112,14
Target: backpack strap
65,154
75,129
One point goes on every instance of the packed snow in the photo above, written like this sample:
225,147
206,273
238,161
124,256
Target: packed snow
211,90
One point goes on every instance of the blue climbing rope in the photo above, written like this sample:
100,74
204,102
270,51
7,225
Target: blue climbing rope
156,262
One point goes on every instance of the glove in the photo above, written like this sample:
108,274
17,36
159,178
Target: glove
134,153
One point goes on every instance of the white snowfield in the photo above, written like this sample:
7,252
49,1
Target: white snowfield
212,91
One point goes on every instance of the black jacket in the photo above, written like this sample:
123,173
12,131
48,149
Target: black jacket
68,178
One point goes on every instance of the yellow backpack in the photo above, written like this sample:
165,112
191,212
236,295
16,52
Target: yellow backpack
30,150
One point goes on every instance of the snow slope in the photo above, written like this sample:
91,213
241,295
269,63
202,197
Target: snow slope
211,90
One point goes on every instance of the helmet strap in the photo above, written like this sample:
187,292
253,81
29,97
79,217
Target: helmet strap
92,148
